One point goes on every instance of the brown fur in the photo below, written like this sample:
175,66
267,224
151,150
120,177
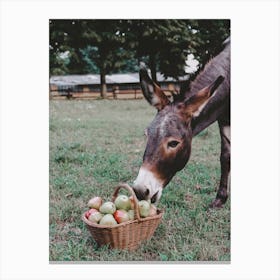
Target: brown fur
163,100
178,122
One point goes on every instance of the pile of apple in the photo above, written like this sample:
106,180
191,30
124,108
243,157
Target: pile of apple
121,210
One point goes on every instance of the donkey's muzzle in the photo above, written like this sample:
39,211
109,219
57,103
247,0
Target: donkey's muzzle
141,193
144,194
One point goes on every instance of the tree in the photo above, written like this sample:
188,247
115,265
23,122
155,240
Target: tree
107,38
209,35
99,41
64,39
164,44
116,46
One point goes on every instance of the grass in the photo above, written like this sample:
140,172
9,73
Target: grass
96,144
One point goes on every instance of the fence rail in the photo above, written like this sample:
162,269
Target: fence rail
116,94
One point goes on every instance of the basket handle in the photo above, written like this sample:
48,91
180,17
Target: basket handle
131,191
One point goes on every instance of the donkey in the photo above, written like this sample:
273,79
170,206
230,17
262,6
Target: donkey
169,136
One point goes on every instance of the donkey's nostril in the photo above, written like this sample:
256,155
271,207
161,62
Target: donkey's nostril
141,193
147,192
138,193
154,197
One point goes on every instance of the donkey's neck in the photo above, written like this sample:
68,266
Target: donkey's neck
217,108
219,65
218,105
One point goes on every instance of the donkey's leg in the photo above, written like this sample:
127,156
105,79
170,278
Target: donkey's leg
222,194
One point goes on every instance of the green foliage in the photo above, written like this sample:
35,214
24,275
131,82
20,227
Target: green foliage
165,42
117,46
209,34
64,37
107,38
88,57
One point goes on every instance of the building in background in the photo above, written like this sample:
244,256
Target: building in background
119,86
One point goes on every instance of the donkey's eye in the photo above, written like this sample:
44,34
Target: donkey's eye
173,144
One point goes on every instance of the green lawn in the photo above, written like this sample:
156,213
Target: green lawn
96,144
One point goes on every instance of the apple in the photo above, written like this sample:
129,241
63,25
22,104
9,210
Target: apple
95,217
144,208
131,214
132,204
107,208
121,216
89,212
95,202
108,220
153,210
122,202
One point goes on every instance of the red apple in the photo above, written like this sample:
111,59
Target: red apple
121,216
95,202
89,212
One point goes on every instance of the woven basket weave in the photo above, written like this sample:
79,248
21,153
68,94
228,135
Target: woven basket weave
126,235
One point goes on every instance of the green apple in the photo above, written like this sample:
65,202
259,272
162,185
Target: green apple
95,217
122,202
108,220
131,214
144,208
107,208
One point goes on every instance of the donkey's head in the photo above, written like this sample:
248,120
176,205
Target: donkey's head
169,136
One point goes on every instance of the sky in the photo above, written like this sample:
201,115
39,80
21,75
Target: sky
192,64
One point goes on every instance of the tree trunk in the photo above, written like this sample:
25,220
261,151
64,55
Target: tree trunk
103,85
153,67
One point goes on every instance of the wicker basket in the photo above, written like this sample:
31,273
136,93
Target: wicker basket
126,235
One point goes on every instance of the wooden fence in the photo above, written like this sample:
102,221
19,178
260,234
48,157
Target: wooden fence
86,93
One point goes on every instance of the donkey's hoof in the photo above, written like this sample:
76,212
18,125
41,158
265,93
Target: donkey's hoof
217,203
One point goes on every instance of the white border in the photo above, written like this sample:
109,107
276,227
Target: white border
24,138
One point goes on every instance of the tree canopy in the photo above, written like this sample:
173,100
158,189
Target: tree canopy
117,46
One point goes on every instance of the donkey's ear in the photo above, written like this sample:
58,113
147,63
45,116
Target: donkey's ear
152,92
196,103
